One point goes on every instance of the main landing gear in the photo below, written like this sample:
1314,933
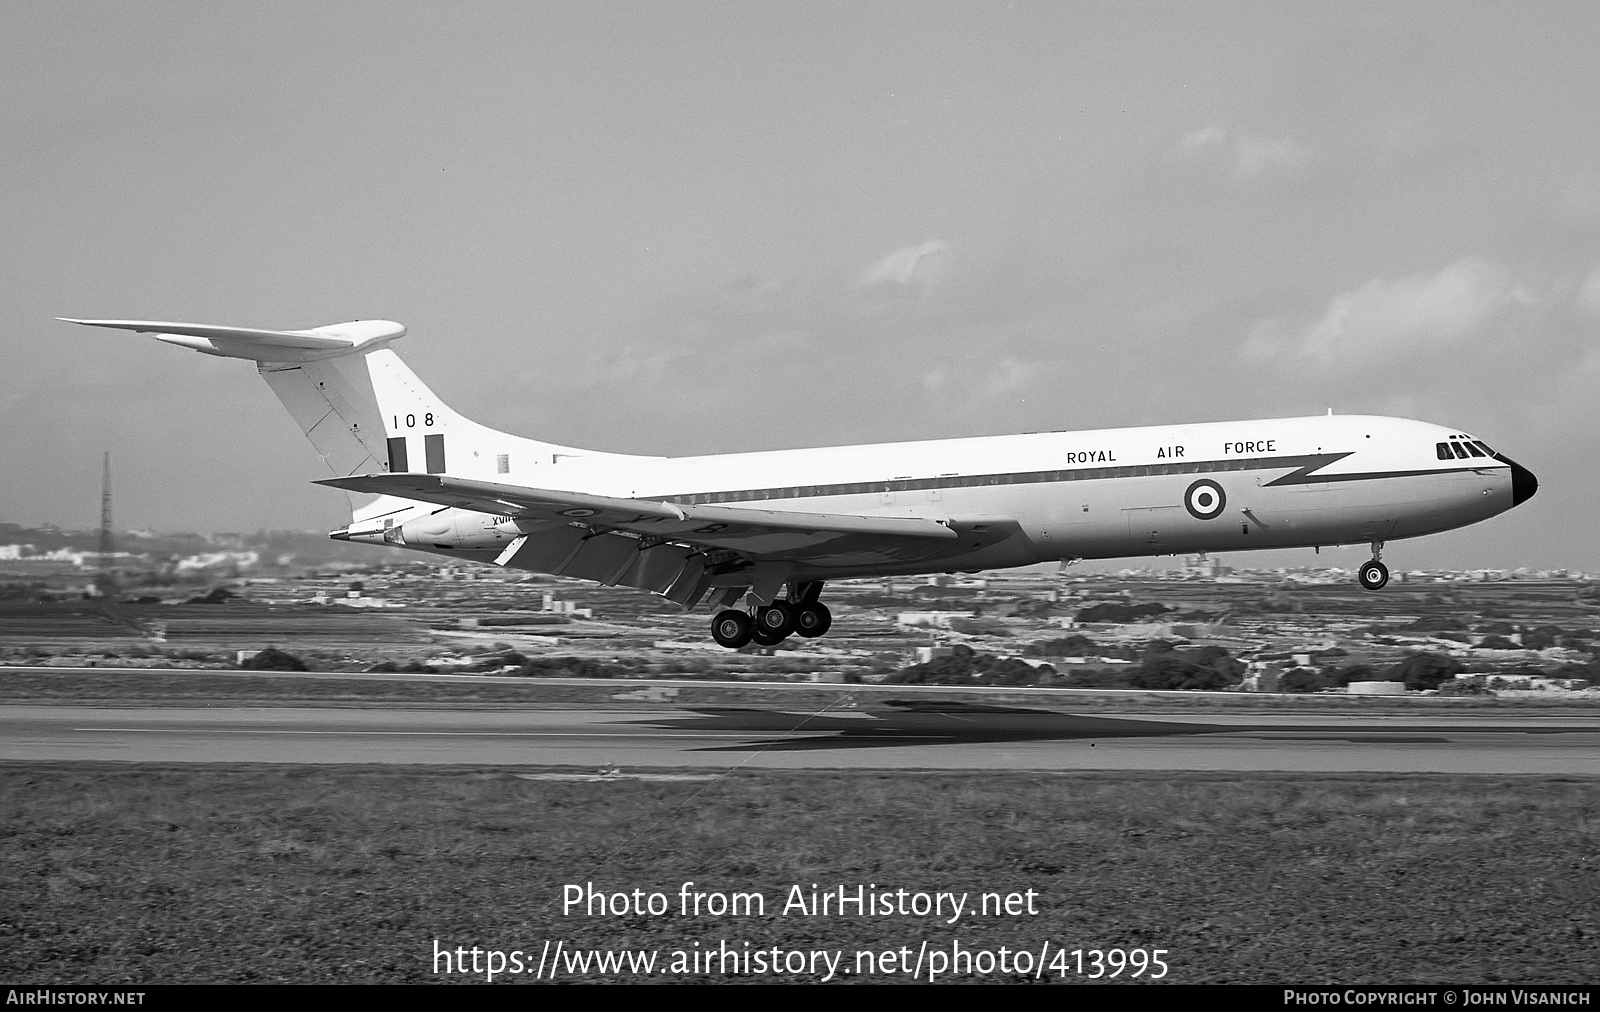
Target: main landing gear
1374,574
771,624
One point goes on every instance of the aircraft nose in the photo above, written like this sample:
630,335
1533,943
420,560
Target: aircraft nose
1523,483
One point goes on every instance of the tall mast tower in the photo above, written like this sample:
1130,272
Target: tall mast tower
107,580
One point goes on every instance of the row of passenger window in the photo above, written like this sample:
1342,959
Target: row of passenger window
1463,450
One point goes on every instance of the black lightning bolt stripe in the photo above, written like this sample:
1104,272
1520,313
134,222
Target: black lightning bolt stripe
1300,479
1302,475
1304,471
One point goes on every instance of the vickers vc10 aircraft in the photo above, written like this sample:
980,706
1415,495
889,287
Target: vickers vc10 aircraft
758,535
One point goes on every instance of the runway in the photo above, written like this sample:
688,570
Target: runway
919,734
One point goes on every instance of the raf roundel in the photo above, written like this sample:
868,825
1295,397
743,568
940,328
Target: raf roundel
1205,500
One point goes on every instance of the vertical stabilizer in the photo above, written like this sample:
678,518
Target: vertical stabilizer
366,412
333,403
320,376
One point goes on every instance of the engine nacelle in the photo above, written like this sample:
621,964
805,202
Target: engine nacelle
456,528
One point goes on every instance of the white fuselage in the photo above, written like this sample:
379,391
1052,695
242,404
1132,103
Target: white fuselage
1278,483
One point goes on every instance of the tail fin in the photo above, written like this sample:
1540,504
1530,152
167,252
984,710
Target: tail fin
363,409
317,374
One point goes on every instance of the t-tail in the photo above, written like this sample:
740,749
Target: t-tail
366,412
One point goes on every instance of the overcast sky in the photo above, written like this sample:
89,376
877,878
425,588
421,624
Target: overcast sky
687,228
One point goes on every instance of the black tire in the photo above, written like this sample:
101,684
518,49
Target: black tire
1373,575
776,619
763,638
732,629
812,620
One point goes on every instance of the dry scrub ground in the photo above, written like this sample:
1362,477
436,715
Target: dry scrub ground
169,875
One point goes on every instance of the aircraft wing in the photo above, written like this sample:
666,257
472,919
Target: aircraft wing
741,528
681,551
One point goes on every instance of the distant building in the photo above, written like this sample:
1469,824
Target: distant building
935,619
551,606
1203,565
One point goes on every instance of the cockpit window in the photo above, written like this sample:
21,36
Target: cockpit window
1474,450
1480,444
1443,449
1459,451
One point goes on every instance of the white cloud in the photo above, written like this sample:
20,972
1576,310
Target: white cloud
754,315
934,379
1245,156
1587,301
1196,143
1255,156
1579,200
1384,319
911,267
1008,377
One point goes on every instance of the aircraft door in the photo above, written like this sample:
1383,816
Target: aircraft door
1151,530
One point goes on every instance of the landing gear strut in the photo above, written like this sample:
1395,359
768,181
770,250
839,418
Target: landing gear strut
771,624
1373,574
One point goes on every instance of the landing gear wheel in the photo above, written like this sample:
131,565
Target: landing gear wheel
1373,575
776,619
812,619
732,629
763,638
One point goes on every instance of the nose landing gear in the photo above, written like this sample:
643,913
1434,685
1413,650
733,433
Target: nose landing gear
1373,574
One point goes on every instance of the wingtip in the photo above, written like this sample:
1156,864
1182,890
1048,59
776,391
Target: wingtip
360,482
112,324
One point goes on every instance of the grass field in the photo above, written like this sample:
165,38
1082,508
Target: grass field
132,874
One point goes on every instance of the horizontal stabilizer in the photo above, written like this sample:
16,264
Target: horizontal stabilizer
263,345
